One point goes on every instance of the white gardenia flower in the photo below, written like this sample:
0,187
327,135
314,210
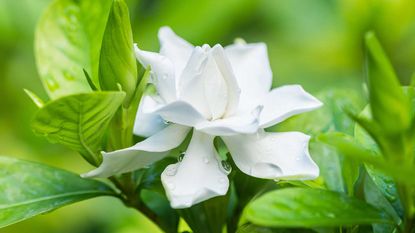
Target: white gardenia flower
215,91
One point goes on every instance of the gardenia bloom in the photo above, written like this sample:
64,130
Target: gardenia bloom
215,91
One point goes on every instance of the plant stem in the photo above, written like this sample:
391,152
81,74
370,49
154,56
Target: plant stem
131,198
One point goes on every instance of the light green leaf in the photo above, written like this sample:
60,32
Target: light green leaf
68,40
28,189
79,121
389,105
117,60
302,207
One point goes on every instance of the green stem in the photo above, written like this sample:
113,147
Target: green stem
131,198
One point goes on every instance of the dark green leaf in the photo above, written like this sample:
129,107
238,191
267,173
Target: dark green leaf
68,39
117,60
79,121
28,189
389,105
302,207
208,216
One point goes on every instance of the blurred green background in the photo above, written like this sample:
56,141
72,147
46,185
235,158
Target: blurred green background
316,43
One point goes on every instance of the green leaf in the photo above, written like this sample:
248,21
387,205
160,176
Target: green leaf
376,198
329,162
389,105
68,40
208,216
349,147
79,121
28,189
302,207
117,59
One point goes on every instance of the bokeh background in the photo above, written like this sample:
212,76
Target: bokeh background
316,43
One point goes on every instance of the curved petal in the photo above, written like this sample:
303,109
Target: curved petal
162,72
175,48
232,87
208,83
284,102
252,70
247,123
198,177
146,122
141,154
273,155
190,83
180,112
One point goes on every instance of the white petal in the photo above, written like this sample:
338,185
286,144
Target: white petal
141,154
180,112
198,177
175,48
247,123
252,70
284,102
162,72
208,83
273,155
191,85
232,87
147,122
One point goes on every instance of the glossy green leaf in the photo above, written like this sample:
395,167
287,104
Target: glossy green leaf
79,121
389,105
28,189
302,207
329,162
117,59
375,197
384,183
68,40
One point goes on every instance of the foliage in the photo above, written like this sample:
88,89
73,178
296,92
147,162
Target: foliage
366,174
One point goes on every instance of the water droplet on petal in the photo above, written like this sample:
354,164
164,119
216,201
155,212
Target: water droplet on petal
171,186
171,170
166,122
297,158
226,166
181,156
206,160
